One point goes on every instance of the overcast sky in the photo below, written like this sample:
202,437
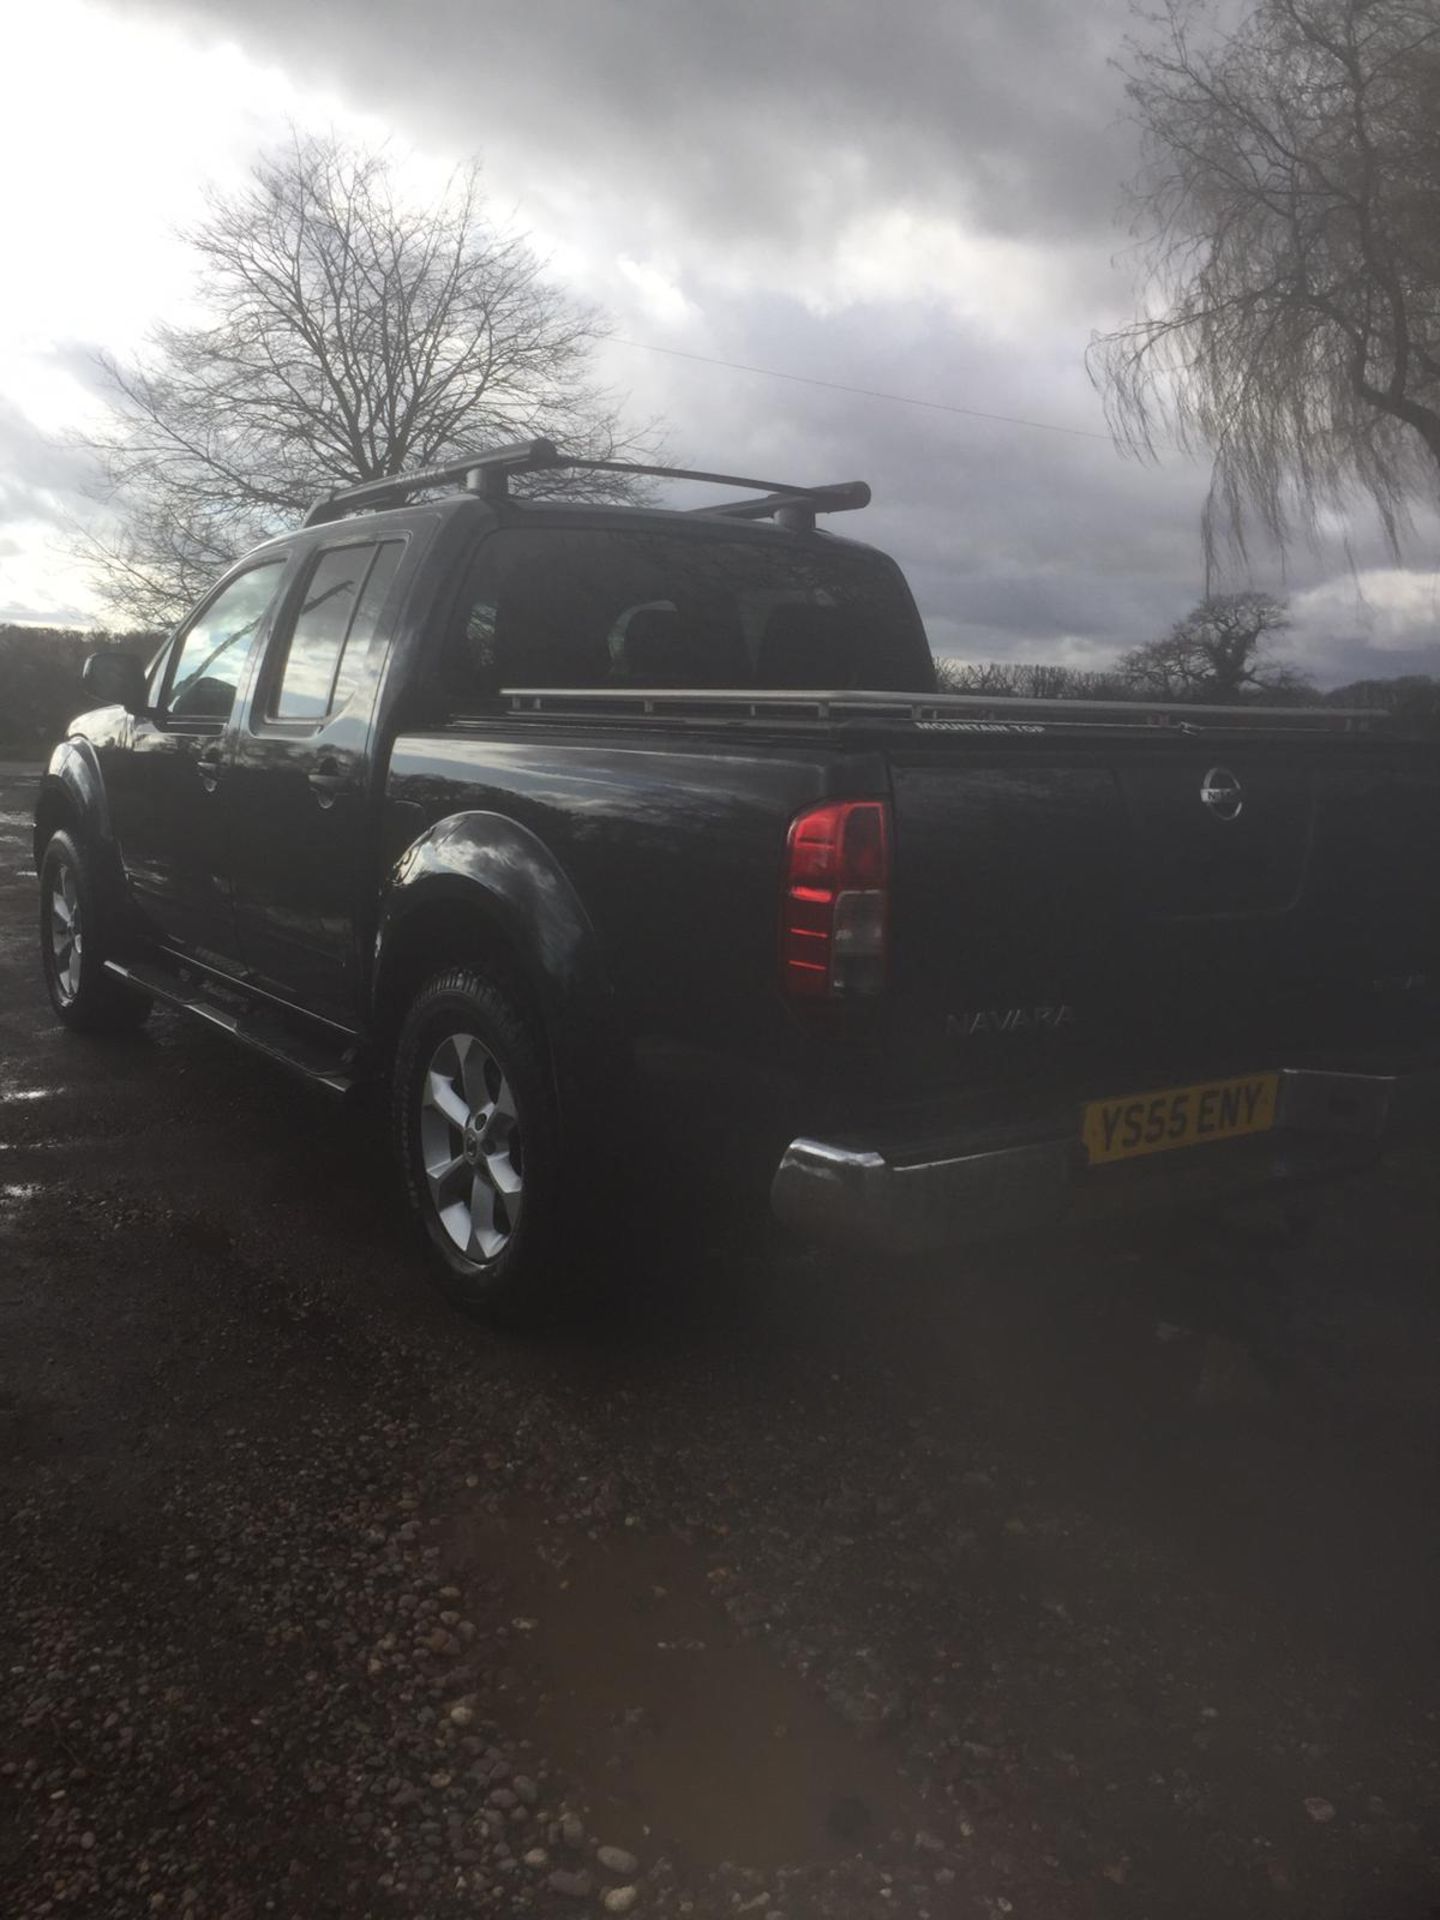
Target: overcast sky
916,197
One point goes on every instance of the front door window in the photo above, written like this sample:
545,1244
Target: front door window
212,655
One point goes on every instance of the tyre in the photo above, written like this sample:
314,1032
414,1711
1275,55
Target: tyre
477,1135
76,938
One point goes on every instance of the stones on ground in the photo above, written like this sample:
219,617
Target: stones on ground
462,1716
929,1842
1319,1809
620,1899
526,1789
572,1830
537,1857
617,1860
574,1885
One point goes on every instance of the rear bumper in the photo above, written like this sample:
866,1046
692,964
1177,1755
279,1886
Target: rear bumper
899,1197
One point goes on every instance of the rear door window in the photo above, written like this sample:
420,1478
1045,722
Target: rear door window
334,626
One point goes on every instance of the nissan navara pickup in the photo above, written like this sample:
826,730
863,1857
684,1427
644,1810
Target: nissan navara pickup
621,844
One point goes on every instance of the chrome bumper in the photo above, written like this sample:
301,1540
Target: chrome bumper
900,1199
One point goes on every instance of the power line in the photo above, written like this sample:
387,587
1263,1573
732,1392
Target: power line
865,393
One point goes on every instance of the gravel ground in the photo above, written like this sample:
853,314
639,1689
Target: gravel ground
1077,1579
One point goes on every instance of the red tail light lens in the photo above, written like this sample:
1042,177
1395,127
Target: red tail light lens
836,906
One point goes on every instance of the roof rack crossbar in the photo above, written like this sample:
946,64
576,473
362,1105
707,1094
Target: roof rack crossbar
796,507
488,472
485,473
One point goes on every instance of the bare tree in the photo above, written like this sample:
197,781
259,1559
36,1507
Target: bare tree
1220,651
1289,209
355,334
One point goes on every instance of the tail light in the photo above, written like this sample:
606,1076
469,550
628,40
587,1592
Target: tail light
836,907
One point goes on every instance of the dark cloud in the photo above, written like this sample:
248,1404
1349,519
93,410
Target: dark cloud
774,115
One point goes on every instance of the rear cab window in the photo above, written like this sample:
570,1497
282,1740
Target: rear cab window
607,608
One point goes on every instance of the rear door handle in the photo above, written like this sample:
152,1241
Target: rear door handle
208,766
326,781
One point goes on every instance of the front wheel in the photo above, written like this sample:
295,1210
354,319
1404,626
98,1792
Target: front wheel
477,1137
75,942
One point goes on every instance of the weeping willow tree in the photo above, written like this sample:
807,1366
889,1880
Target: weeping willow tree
1288,210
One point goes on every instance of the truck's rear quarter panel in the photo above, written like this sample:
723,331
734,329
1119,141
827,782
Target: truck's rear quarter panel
675,852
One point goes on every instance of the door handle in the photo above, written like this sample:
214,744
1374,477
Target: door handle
208,766
326,781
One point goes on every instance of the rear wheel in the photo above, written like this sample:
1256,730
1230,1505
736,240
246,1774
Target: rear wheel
477,1137
76,939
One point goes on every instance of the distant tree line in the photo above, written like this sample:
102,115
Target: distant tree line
1413,699
40,690
1221,653
1028,680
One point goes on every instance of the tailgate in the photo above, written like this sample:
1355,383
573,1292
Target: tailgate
1086,915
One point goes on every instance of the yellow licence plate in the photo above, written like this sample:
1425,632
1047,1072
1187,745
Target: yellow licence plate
1140,1123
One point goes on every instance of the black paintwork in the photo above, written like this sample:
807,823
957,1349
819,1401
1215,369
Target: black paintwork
624,866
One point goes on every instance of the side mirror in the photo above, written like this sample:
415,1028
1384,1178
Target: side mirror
116,679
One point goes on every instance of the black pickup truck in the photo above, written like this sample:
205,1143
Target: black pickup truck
621,841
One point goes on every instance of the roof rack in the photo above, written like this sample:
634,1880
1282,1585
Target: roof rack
487,473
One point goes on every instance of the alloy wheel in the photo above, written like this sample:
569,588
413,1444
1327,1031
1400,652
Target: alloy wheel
67,940
470,1146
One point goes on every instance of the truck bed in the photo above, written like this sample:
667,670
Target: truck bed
1068,918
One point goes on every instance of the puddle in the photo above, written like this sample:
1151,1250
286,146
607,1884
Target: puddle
20,1190
27,1093
640,1686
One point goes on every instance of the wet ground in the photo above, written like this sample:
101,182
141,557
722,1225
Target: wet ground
1075,1579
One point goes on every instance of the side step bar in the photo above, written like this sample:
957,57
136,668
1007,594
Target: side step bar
263,1032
